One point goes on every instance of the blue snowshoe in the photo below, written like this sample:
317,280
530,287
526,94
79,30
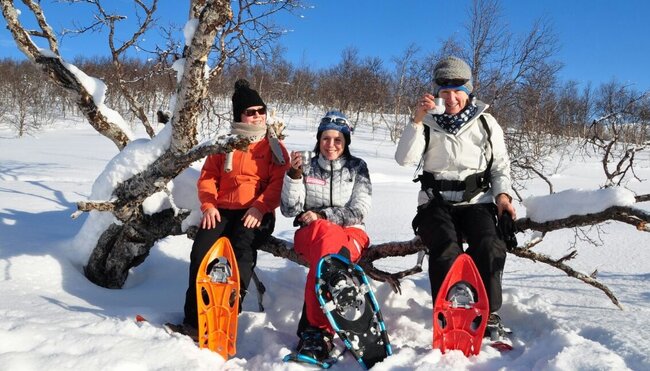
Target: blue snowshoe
350,305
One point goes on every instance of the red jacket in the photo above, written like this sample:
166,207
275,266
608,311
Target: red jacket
255,179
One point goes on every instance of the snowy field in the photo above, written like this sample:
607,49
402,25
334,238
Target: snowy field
53,318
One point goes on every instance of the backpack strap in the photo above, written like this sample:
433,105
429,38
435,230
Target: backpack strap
427,139
488,169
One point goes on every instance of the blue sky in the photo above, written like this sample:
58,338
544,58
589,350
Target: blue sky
600,40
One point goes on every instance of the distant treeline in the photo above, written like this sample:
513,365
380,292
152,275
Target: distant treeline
534,101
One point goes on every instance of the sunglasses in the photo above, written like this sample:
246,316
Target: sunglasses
451,82
252,111
334,120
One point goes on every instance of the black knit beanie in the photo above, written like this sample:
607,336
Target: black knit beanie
244,97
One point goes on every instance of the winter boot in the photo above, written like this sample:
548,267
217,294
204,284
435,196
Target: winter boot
183,329
495,329
316,344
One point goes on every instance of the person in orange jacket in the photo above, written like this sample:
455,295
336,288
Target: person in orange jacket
239,192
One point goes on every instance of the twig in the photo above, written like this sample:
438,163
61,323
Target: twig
528,254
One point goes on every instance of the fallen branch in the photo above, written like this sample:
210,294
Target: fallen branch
628,215
636,217
284,249
528,254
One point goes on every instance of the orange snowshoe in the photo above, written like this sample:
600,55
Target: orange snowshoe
217,293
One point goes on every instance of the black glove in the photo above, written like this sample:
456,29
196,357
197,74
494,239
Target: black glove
507,229
297,222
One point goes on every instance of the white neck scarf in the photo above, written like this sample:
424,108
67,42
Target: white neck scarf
253,132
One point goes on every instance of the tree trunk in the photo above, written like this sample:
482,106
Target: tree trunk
122,247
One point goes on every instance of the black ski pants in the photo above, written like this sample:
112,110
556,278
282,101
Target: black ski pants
245,242
443,229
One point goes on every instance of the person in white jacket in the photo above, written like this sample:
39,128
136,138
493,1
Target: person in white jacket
465,183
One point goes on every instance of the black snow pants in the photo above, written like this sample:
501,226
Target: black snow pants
245,242
443,227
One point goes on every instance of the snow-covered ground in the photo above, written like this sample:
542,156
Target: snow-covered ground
53,318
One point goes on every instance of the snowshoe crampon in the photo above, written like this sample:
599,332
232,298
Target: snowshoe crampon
350,306
217,292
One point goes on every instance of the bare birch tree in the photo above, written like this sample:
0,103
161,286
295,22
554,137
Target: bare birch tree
220,35
620,132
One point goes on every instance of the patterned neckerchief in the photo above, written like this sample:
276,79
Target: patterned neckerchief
453,123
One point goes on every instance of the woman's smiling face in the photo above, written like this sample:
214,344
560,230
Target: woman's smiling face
331,144
455,100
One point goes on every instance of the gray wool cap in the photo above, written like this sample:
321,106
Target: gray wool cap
453,68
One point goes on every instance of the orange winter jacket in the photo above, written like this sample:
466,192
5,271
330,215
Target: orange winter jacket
255,179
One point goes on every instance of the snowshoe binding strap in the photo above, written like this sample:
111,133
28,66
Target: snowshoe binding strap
461,296
315,344
220,271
